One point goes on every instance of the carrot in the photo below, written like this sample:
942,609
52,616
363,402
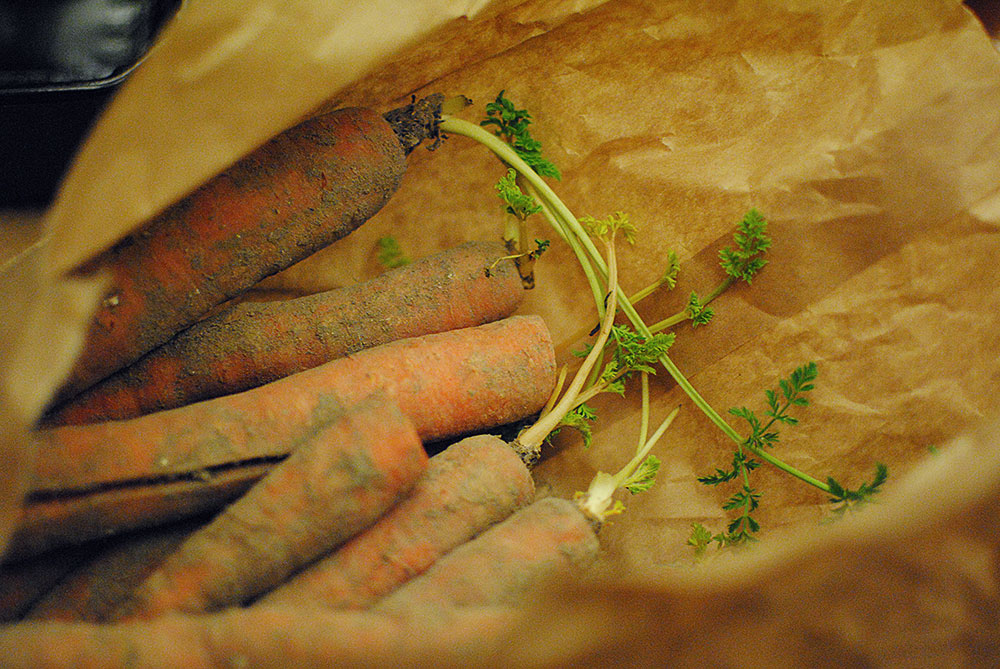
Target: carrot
328,490
467,487
99,584
252,344
58,519
295,194
448,384
264,637
549,539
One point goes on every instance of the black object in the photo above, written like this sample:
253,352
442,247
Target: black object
60,63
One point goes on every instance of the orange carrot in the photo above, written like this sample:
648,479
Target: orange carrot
549,539
467,487
297,193
328,490
264,637
252,344
54,519
448,384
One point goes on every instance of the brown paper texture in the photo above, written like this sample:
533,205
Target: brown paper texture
41,330
868,135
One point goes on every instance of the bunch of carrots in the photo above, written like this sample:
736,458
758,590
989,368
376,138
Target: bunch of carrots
332,452
214,466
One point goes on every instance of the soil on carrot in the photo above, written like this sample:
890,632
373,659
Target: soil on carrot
295,194
251,344
417,121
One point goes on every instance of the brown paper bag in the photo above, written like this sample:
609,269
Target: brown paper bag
866,132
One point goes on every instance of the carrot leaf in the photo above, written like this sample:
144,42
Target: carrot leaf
580,419
636,353
846,500
518,204
616,222
749,454
511,125
390,253
699,312
644,348
744,261
642,478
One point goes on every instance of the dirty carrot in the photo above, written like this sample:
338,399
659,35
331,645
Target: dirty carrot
252,344
449,384
25,582
549,539
295,194
58,519
468,487
329,489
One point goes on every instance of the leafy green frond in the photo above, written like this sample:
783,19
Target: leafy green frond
580,419
798,382
846,499
636,353
644,476
511,125
541,246
742,527
610,372
390,253
700,538
699,313
613,379
720,476
673,268
617,387
752,242
746,498
518,204
741,462
602,228
740,531
747,415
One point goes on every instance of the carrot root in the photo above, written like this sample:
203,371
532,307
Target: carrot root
263,636
448,384
328,490
97,587
252,344
304,189
59,520
468,487
547,540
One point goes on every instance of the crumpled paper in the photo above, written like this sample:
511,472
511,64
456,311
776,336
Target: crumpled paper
866,132
867,136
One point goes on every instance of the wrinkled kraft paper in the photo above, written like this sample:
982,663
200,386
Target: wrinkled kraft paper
868,133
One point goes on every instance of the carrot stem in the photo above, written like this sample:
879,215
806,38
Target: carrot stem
528,443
